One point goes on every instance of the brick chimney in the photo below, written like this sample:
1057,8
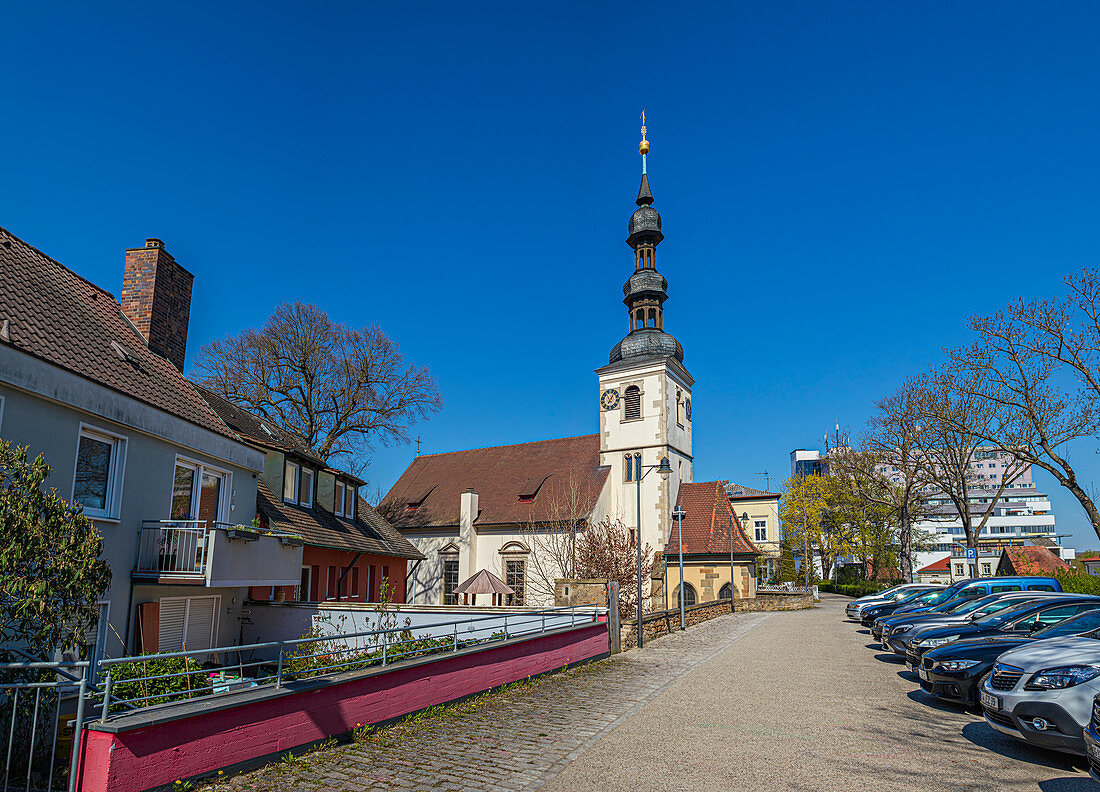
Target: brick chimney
156,297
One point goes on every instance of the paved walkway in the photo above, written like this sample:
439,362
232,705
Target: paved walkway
755,702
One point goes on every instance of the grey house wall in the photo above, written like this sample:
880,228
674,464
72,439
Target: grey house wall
44,407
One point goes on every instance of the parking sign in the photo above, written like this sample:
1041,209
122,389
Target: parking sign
971,554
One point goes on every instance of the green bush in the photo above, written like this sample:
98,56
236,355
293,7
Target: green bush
127,684
1079,584
855,589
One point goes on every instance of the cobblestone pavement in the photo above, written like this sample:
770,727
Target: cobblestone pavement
517,739
782,702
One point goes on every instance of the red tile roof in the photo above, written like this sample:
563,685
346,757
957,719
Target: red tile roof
943,565
708,519
1032,561
562,478
368,533
57,316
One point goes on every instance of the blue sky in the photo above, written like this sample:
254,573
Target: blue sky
842,185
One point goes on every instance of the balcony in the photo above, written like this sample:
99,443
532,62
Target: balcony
198,552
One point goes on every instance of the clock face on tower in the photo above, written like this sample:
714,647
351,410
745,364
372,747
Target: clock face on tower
609,399
687,408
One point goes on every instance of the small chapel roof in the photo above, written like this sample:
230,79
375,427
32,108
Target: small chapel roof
539,482
484,582
708,520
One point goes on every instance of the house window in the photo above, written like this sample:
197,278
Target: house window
199,492
761,530
338,506
355,581
515,575
959,570
689,596
188,623
290,482
987,569
305,487
350,494
302,594
97,485
450,580
632,403
330,589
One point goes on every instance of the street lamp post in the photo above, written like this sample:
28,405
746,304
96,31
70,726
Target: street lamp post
663,469
679,514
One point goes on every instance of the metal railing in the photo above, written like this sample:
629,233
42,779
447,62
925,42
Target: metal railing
33,722
173,547
127,679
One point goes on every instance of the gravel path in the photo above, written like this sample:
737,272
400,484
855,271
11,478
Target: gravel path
755,702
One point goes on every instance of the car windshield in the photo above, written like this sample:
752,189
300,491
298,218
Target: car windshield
1004,615
996,606
922,598
965,606
943,596
1082,622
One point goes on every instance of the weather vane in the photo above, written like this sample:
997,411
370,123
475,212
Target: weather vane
643,147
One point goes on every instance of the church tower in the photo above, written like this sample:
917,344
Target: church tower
645,391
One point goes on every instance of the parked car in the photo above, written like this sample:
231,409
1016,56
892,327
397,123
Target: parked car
879,597
955,670
1043,692
1092,740
1020,620
977,588
897,632
868,615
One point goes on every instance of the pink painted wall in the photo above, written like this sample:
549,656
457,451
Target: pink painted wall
140,759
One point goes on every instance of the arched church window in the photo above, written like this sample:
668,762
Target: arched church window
679,407
725,592
632,400
652,317
639,319
689,596
629,467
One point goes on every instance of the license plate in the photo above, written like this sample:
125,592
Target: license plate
923,674
990,701
1093,751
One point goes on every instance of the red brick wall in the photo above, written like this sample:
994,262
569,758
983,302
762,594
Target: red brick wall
156,297
324,562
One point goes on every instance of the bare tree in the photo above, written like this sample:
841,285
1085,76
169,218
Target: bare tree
553,542
1019,360
607,550
890,473
338,389
954,421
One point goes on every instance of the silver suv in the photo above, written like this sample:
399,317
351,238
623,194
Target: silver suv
1042,693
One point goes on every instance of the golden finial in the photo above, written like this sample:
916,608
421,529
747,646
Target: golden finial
643,147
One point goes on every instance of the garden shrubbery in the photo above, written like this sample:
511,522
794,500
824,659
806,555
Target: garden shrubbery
861,589
1077,583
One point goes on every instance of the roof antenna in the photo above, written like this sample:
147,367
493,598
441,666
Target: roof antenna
767,480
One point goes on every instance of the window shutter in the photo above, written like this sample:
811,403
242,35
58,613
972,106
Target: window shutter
201,614
633,402
173,614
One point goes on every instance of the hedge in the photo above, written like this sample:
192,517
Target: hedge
861,589
1079,584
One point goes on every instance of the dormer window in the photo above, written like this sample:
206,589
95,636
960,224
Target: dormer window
297,484
345,500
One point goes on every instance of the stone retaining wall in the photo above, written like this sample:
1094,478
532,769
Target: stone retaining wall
776,602
657,623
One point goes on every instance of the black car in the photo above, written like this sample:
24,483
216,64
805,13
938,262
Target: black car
868,615
953,671
1019,622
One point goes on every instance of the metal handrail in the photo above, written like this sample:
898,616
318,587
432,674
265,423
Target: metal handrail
516,625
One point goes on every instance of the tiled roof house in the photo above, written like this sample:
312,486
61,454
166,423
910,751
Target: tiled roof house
473,510
94,384
349,548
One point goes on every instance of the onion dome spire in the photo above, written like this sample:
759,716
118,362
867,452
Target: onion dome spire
646,291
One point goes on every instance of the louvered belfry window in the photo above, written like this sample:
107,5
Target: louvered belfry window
633,400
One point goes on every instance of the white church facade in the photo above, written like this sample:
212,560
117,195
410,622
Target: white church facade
515,510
